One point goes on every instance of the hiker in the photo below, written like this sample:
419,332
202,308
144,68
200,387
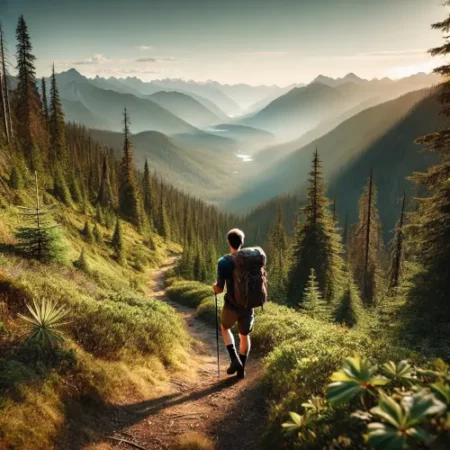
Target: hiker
242,271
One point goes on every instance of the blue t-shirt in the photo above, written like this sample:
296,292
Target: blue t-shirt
225,269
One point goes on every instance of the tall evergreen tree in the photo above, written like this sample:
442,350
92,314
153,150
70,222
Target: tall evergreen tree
32,134
430,222
278,257
105,195
147,190
366,248
118,243
397,251
4,91
58,149
128,200
45,112
316,243
349,308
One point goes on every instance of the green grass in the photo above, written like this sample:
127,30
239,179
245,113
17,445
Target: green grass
300,352
119,344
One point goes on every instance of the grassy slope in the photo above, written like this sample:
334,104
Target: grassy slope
120,343
300,353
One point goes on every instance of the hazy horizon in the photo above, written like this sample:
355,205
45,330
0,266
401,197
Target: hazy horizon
282,43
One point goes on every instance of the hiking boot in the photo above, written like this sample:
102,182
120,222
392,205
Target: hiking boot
241,373
235,366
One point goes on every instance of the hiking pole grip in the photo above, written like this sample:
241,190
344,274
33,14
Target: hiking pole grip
217,337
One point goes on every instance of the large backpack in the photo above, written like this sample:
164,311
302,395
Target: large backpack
250,278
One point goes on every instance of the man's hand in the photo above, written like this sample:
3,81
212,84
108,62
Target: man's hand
217,289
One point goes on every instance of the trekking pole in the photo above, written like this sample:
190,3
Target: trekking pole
217,337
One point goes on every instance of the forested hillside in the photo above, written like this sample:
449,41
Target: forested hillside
110,235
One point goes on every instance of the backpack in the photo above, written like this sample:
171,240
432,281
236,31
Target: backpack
250,278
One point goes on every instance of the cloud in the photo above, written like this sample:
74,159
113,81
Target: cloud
146,60
98,58
145,47
265,54
118,71
154,60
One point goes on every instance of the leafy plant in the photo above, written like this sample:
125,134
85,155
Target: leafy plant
358,376
408,407
401,428
44,323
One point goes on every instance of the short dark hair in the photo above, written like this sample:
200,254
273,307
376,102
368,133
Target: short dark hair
236,238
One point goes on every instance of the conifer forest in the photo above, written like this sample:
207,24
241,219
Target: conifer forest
123,167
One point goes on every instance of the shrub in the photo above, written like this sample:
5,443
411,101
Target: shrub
87,232
81,263
121,326
206,311
97,235
44,323
404,407
194,440
189,293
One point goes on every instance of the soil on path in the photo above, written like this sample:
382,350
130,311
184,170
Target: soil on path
229,411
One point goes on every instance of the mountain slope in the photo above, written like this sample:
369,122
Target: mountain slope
107,106
303,109
392,157
185,107
337,149
197,170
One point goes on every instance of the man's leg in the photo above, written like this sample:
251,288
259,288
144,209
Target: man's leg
245,325
227,320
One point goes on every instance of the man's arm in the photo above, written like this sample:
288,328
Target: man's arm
219,285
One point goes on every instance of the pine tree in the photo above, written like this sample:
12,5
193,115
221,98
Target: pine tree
87,232
429,224
349,308
41,241
117,242
105,196
278,258
45,112
16,179
128,201
163,221
81,263
367,243
58,152
147,190
60,188
32,134
312,302
397,253
4,92
97,235
316,243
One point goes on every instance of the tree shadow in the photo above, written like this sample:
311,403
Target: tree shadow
89,422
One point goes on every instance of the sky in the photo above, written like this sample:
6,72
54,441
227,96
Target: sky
230,41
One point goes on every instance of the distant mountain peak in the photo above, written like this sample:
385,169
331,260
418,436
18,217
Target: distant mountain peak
353,77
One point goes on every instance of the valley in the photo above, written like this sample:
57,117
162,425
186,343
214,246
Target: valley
218,233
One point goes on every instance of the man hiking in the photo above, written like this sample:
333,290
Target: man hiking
243,273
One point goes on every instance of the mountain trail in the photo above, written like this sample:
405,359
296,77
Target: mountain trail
229,411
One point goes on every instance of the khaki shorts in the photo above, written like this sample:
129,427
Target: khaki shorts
244,318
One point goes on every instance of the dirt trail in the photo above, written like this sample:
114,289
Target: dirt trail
230,412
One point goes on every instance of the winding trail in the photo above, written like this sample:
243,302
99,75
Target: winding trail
229,411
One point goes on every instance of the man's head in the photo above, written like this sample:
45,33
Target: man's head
235,239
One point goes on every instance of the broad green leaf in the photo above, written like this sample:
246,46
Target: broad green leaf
385,437
442,391
342,392
389,410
